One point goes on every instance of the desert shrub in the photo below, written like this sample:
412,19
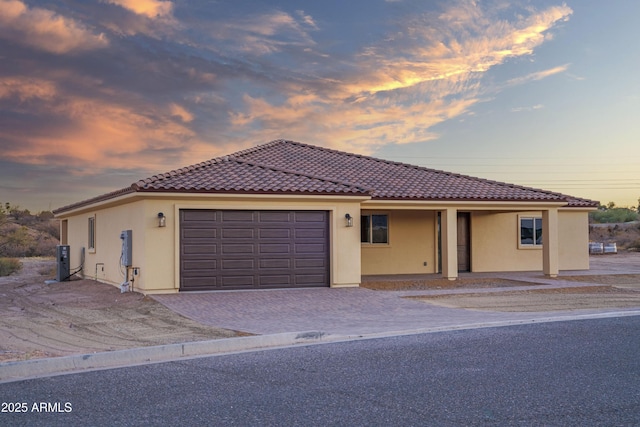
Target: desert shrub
44,216
9,265
51,227
45,245
627,236
20,241
17,242
635,246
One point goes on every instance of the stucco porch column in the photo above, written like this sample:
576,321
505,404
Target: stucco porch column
550,250
449,233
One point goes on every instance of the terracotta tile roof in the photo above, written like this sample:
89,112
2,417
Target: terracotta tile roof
229,174
393,180
287,167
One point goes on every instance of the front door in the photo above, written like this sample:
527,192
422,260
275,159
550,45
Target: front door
464,241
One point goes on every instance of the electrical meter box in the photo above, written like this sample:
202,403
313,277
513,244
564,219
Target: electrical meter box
125,257
63,271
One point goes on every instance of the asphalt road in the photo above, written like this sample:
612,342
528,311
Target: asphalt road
573,373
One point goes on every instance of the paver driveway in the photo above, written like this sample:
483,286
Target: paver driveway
355,311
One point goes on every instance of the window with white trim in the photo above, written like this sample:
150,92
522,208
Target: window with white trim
530,231
374,228
91,243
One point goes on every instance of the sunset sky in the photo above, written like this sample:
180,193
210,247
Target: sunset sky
96,94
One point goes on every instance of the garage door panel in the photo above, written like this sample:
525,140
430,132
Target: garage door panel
238,264
198,265
199,215
242,281
275,248
253,249
280,280
200,234
311,263
310,248
274,216
199,283
237,216
200,249
310,216
310,233
271,263
230,248
198,225
238,233
199,274
275,233
309,279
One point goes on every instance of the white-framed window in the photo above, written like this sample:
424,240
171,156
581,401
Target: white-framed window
530,232
91,241
374,229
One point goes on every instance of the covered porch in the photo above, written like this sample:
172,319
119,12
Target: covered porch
447,241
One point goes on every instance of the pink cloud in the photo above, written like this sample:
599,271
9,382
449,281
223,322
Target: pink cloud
45,30
149,8
402,87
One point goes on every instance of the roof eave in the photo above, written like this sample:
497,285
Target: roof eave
94,201
460,203
136,191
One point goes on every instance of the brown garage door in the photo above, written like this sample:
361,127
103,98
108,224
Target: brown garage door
224,249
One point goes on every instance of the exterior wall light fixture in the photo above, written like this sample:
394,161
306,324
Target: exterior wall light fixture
349,219
162,220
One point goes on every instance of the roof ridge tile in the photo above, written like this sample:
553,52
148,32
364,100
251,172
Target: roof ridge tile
300,173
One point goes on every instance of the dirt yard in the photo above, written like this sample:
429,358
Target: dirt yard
601,291
537,300
83,316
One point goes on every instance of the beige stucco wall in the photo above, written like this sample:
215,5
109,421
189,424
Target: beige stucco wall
412,238
411,244
156,250
494,242
103,263
573,233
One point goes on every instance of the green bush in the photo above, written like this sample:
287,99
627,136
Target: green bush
614,215
9,265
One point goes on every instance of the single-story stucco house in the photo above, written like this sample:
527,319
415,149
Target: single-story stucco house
286,214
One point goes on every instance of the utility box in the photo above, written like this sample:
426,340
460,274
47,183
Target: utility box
125,257
63,270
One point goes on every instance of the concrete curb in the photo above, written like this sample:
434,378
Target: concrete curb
17,371
482,325
14,371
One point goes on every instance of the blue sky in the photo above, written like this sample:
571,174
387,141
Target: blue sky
95,95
